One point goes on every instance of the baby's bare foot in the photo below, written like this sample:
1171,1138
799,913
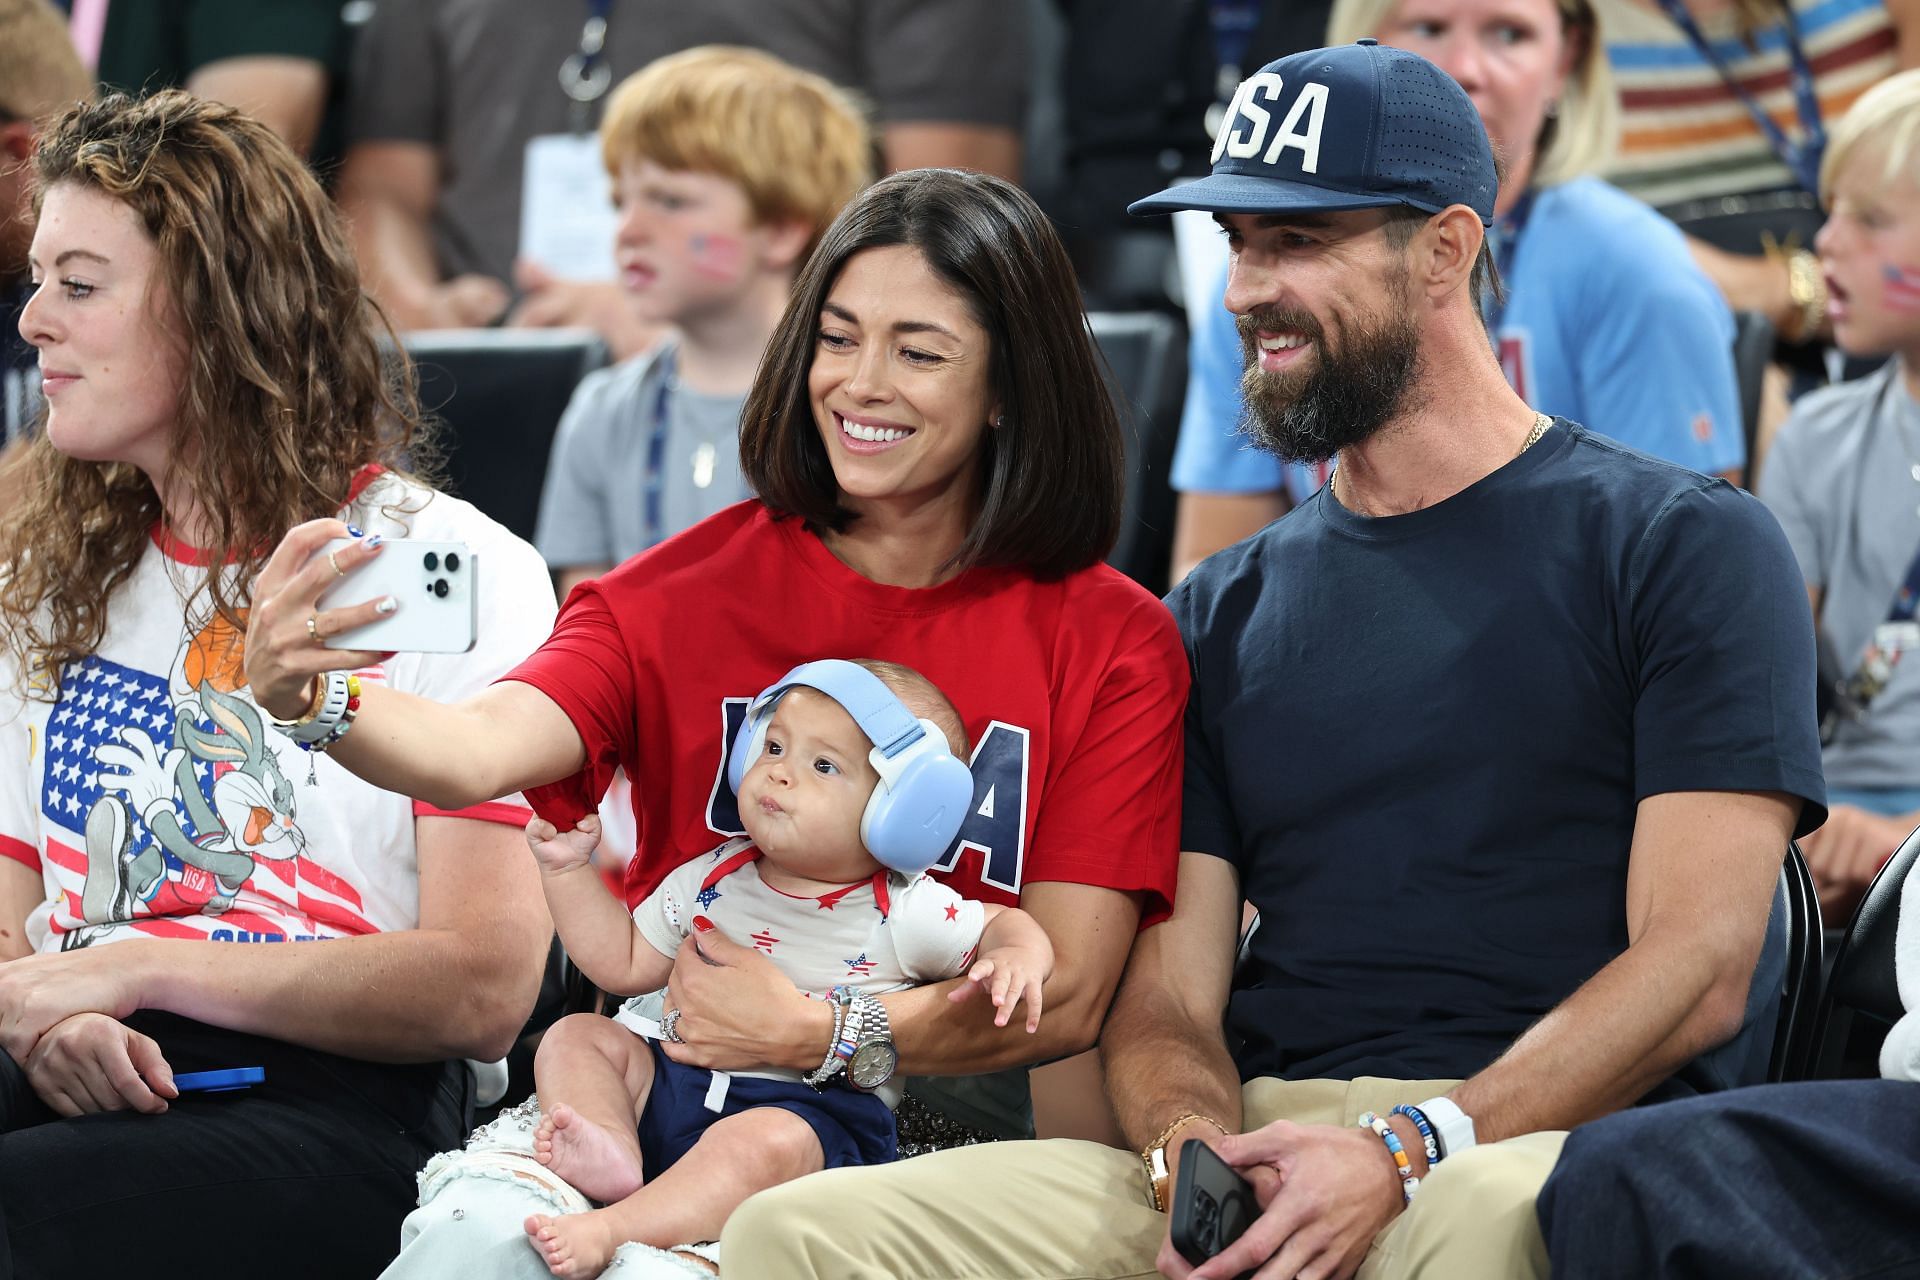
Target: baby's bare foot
595,1162
576,1246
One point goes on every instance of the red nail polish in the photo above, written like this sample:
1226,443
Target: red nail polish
703,924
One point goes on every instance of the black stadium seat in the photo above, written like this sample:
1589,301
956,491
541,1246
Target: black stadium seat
1862,1001
1146,359
499,394
1752,350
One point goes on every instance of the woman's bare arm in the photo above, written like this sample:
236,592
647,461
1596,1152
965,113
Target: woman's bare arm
506,738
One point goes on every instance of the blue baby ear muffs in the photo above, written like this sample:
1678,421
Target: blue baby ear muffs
921,801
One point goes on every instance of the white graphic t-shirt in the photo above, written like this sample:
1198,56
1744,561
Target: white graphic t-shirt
156,800
880,935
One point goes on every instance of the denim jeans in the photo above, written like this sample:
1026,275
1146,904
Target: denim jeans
1819,1178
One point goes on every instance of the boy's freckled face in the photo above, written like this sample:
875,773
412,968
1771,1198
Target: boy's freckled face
801,801
687,243
1870,252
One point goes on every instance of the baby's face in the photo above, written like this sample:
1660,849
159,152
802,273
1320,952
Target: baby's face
802,799
1870,251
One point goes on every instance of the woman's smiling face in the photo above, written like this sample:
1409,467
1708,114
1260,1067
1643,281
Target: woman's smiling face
899,383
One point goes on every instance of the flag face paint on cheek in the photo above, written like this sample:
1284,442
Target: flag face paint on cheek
716,256
1903,287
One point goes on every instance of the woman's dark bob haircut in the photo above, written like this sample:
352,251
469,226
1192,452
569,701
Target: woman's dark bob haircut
1051,481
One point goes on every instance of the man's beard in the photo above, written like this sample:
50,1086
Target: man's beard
1347,397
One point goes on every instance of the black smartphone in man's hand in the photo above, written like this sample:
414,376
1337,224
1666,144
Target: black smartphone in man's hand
1212,1204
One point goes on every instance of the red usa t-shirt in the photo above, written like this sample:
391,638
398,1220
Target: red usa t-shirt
1072,693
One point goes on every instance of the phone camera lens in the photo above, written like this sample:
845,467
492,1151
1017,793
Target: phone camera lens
440,587
453,562
432,562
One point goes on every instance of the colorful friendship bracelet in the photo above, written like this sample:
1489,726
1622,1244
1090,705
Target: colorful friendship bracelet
1427,1138
1408,1183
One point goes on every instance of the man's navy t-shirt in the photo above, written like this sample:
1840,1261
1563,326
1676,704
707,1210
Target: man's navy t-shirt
1421,740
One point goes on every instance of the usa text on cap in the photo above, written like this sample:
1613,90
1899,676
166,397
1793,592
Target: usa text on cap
1358,126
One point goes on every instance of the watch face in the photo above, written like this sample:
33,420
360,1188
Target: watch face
872,1064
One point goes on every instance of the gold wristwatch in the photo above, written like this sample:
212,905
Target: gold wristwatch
1154,1156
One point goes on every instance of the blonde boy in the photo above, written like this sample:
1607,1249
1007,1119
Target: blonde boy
727,165
1842,479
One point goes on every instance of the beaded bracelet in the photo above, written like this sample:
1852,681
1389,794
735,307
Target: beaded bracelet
1427,1138
338,699
1408,1183
824,1072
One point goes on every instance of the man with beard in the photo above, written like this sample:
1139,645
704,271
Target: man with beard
1504,732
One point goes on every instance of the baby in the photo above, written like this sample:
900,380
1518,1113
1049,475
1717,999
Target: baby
850,783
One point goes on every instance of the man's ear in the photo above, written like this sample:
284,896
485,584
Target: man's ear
787,241
1445,250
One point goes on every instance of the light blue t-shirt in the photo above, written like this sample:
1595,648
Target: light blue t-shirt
1608,322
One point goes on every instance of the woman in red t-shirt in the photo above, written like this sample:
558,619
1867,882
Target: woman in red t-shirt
939,471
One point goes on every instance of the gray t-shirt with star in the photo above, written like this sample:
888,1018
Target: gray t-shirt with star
1843,478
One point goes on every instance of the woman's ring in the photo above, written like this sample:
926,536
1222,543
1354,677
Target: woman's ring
313,628
670,1027
338,572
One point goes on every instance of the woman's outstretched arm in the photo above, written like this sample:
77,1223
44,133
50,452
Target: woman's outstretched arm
504,739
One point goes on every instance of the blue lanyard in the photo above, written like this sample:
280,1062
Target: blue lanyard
1802,158
1233,23
1506,250
1907,599
652,495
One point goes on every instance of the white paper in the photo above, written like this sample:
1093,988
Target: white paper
567,218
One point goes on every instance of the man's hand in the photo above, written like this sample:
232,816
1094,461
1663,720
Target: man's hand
1008,975
464,302
40,991
1325,1192
1846,853
549,302
562,852
92,1063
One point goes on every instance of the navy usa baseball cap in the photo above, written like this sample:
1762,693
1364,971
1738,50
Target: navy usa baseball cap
1360,126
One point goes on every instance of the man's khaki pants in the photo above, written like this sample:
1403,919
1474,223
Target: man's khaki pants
1064,1208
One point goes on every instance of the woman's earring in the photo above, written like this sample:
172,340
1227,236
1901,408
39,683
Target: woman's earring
999,421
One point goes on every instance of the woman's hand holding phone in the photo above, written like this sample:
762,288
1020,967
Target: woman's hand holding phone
286,628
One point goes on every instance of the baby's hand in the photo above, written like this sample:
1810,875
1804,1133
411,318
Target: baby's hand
1008,974
558,852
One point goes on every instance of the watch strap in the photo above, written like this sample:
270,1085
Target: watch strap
1452,1127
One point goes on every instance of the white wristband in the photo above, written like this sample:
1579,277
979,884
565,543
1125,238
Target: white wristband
1452,1127
333,709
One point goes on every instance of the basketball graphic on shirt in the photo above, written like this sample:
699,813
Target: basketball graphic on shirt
214,656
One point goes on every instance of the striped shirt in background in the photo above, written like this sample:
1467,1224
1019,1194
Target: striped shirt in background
1685,135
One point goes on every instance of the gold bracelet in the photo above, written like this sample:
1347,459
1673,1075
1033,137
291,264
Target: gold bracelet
313,707
1154,1156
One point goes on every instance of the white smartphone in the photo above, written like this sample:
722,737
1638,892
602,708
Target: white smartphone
436,583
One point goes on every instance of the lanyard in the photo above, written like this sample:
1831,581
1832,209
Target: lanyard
1802,158
1891,640
1233,23
585,75
1907,598
1506,251
652,494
